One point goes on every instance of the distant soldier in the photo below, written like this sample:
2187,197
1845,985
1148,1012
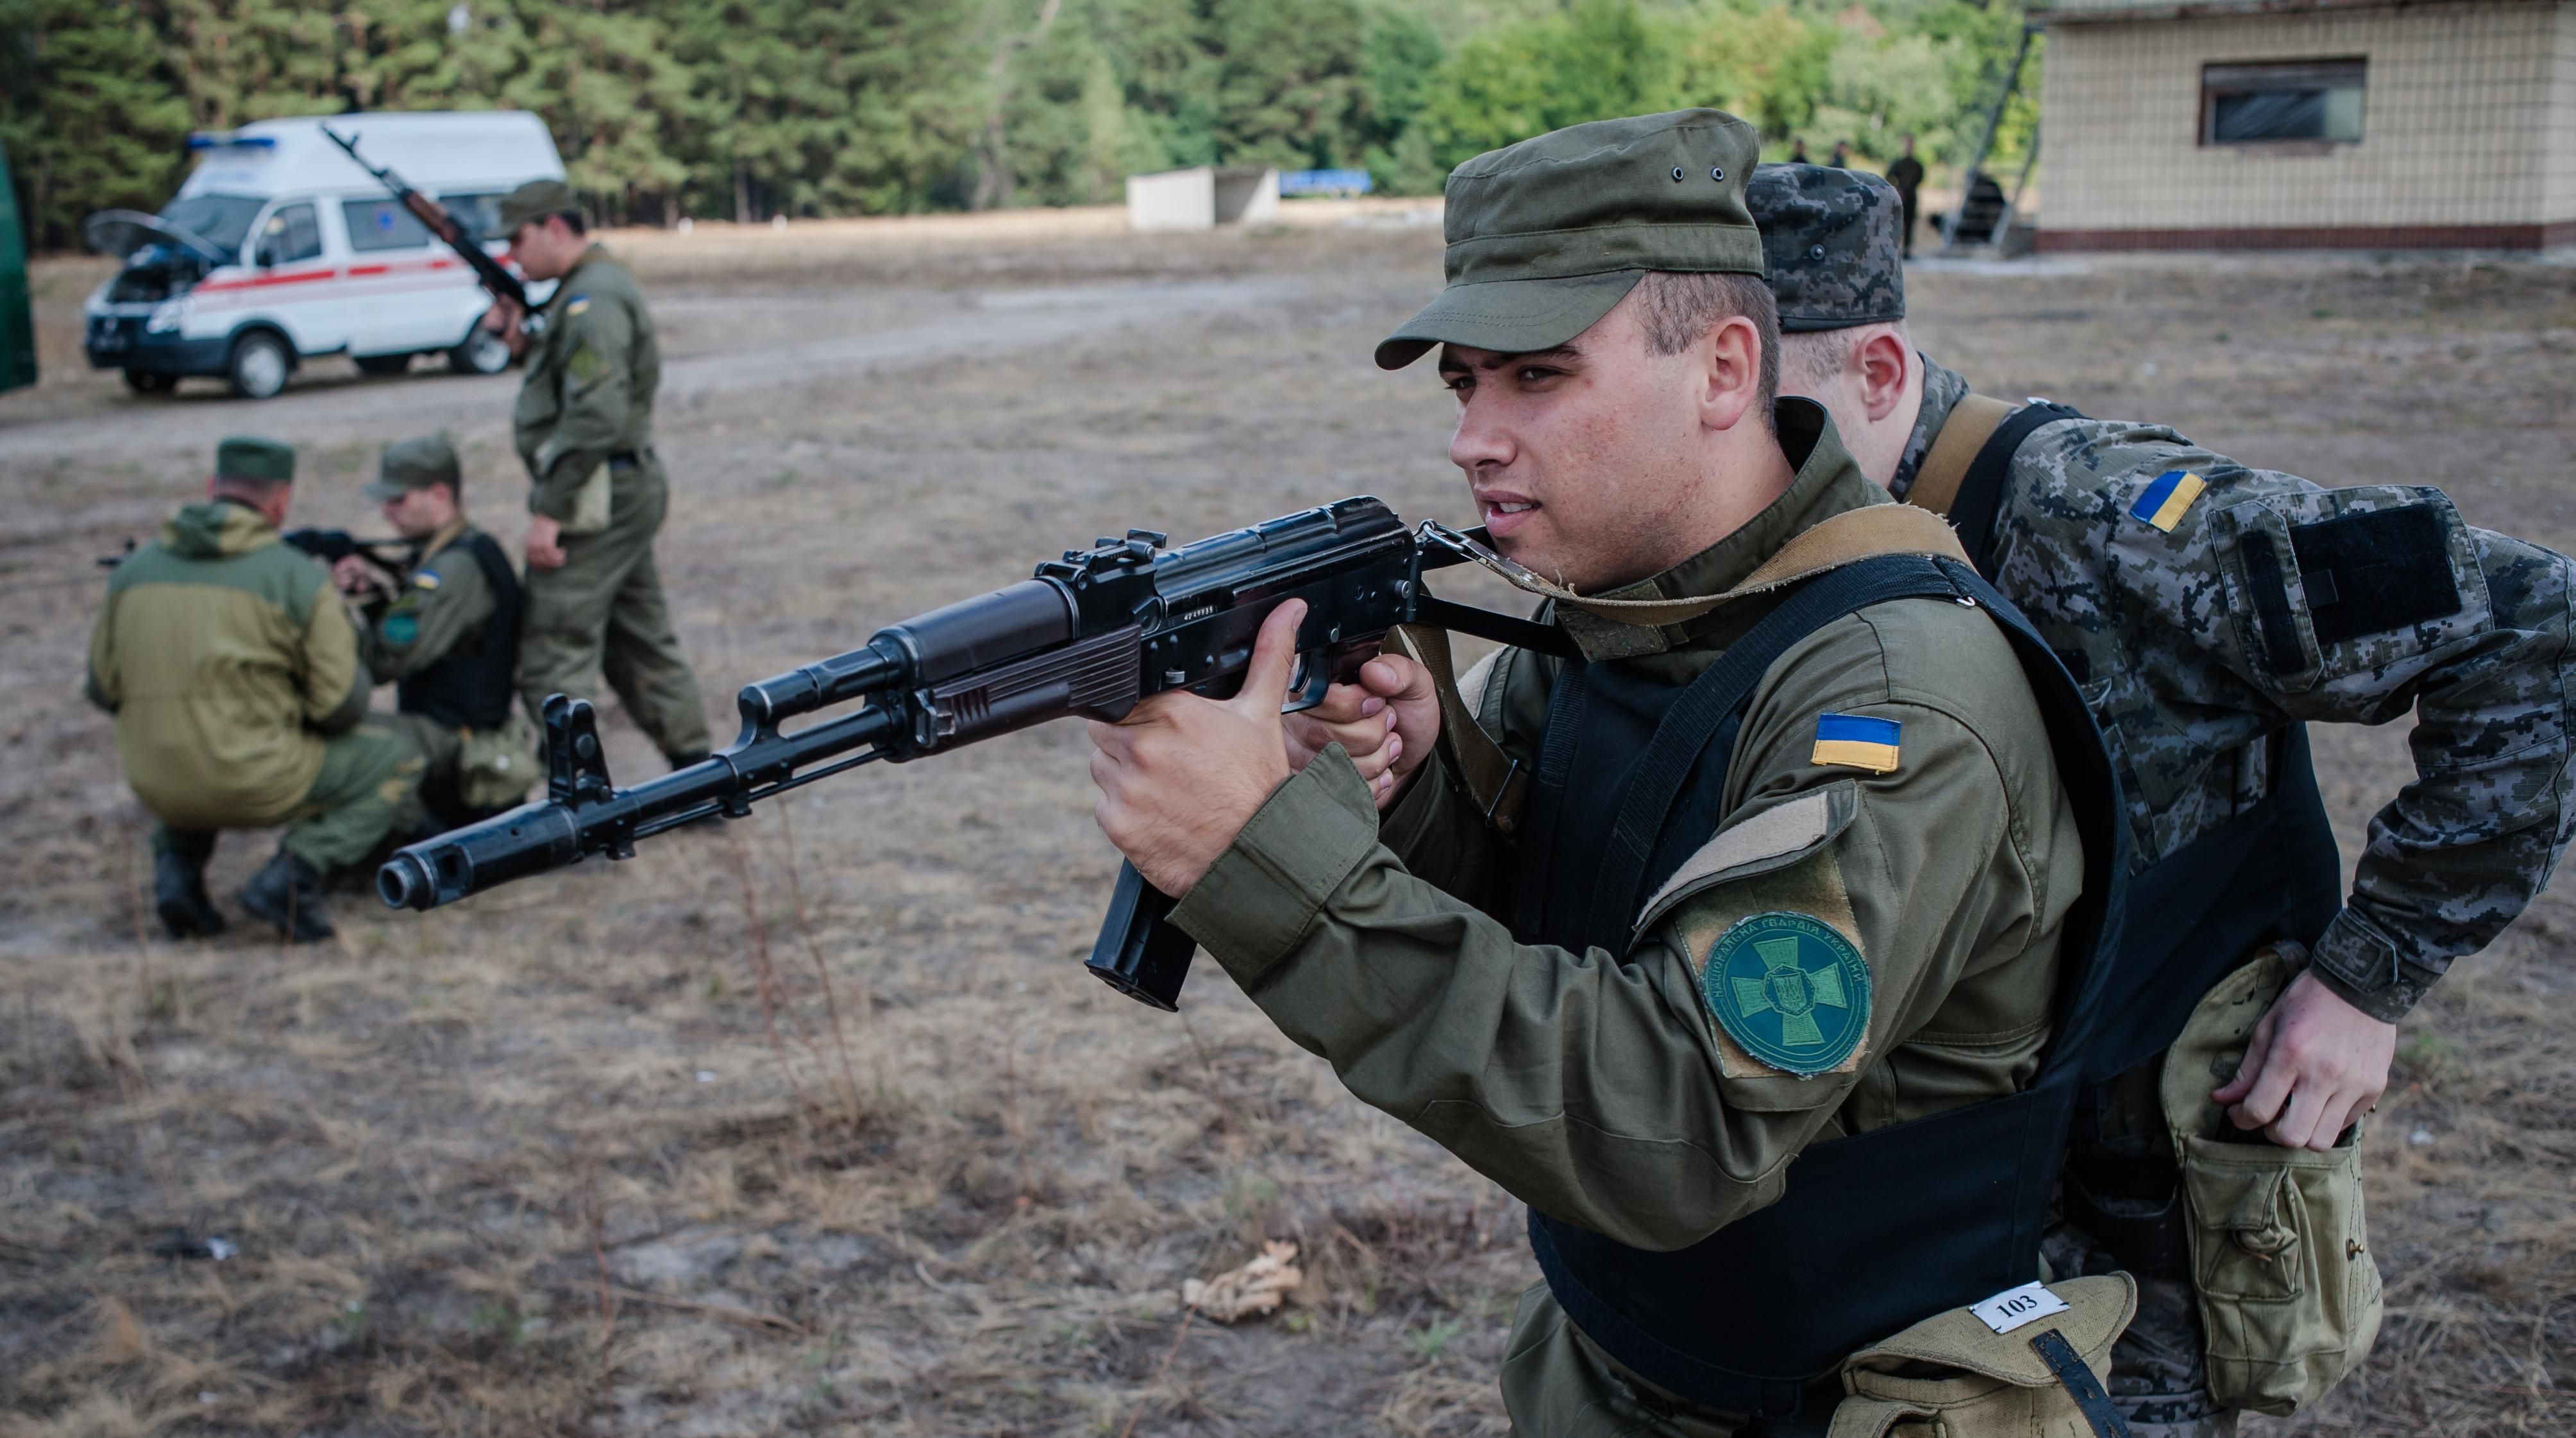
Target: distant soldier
233,673
2210,610
584,425
1907,176
445,630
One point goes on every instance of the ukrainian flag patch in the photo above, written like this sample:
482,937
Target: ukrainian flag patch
2166,497
576,305
1856,741
426,579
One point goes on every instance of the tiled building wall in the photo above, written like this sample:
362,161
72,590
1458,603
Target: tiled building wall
2470,121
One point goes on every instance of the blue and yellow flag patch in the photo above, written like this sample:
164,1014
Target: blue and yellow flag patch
426,579
2166,497
576,305
1856,741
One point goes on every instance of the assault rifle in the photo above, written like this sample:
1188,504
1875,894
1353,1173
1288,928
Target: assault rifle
1090,635
495,276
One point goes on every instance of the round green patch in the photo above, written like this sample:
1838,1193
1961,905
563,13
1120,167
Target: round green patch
1790,990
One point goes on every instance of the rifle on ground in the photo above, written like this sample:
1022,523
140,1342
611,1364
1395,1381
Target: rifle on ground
495,276
1089,636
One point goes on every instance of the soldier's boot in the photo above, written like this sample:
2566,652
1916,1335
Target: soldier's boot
287,892
179,892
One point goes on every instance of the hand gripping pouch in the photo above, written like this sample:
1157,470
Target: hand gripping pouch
1953,1376
2289,1293
496,767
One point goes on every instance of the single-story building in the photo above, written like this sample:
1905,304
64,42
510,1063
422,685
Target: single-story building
2300,124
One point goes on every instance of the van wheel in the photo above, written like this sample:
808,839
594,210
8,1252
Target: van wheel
482,353
384,364
144,381
259,366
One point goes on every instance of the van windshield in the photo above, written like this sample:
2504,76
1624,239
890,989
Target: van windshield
222,221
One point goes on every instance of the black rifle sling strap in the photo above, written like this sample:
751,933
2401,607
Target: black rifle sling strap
2101,1415
1498,785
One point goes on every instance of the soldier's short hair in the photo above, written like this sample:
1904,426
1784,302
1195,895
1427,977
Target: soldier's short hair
1677,308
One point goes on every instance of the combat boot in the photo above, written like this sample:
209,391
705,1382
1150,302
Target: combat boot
288,893
179,892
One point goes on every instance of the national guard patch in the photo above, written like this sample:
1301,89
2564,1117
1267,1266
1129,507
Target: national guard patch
2165,499
401,629
426,579
1857,741
1790,990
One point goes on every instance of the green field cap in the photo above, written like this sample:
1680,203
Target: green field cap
534,201
1547,236
415,464
248,456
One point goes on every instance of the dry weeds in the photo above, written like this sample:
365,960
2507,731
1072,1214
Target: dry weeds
811,1123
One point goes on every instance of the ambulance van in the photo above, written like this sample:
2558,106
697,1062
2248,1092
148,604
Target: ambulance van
279,247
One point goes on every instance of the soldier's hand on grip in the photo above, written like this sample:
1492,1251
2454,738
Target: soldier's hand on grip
1387,722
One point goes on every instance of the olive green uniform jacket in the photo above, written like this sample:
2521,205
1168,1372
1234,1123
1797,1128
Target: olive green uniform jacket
434,608
1604,1093
588,402
227,659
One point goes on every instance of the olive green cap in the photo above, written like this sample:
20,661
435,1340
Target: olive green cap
249,456
1547,236
415,464
534,201
1836,244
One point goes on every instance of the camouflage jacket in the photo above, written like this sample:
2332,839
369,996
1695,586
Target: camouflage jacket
2193,660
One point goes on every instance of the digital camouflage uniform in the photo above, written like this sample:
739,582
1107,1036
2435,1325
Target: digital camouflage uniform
1604,1093
2190,675
440,608
233,673
587,402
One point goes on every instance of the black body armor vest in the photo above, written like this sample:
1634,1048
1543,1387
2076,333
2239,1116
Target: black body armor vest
1876,1231
473,686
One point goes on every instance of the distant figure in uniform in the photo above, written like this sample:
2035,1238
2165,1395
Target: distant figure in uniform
1907,176
1842,154
2212,609
233,673
1797,152
444,629
584,425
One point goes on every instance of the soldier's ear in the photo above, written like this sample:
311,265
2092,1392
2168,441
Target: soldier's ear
1882,362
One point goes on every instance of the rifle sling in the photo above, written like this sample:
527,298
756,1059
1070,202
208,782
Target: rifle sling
1497,783
1945,466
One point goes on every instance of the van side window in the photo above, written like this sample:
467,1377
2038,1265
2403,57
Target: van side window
382,225
292,233
479,213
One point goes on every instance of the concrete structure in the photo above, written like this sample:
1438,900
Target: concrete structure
1204,197
2263,124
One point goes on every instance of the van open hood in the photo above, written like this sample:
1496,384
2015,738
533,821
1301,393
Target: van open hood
119,233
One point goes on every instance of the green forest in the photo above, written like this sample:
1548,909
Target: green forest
745,109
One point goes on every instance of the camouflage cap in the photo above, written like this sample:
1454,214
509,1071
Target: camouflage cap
415,464
1546,236
251,457
1834,240
534,201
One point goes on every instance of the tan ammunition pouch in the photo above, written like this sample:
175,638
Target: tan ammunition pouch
2280,1259
495,767
590,505
1492,780
1953,1376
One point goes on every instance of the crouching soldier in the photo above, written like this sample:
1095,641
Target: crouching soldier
233,673
445,631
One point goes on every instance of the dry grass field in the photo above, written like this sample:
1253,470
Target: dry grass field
811,1123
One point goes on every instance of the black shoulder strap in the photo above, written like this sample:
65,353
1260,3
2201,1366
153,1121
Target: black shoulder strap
1981,493
1706,717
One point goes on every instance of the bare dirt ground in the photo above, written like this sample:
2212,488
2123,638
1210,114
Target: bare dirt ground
812,1123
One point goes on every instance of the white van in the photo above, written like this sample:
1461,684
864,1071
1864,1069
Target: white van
278,246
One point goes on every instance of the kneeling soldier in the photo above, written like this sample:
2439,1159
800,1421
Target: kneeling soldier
445,631
233,673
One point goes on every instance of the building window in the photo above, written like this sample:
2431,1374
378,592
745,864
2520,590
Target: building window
2257,104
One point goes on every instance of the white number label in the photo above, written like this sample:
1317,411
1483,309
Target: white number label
2014,1307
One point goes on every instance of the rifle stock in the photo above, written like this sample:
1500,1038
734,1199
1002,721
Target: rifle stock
1088,636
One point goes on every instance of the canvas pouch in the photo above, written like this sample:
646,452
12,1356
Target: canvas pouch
1954,1376
2289,1293
590,505
495,767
